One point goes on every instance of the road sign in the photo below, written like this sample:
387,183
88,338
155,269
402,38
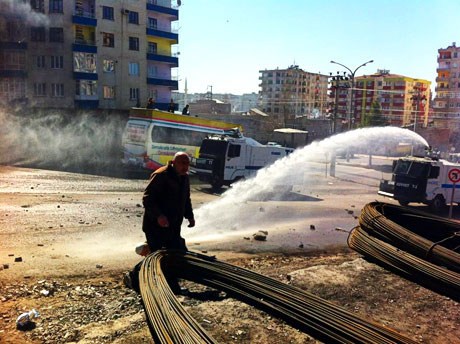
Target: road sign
454,175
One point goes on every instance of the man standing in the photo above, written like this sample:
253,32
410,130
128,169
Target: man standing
167,202
185,111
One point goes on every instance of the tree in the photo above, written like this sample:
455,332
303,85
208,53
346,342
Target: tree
375,117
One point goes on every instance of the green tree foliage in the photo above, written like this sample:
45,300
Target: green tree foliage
374,118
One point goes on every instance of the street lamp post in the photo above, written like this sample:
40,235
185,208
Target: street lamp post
352,76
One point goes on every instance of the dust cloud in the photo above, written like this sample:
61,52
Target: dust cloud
231,214
61,141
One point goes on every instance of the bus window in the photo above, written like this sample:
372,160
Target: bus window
177,136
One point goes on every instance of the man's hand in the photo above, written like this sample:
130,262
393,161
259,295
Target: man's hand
163,221
191,223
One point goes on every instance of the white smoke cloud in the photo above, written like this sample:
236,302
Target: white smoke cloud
24,11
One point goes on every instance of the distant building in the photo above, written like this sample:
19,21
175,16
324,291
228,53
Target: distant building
210,106
446,104
239,103
88,54
403,99
288,93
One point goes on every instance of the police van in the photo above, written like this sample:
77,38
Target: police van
224,159
422,180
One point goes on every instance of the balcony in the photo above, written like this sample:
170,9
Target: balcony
13,73
84,76
441,89
440,78
163,81
163,6
84,46
163,32
83,17
442,68
164,57
13,45
86,103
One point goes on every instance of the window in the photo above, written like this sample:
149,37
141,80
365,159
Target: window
57,62
133,43
152,23
152,71
56,34
109,66
12,60
56,6
86,88
39,89
455,65
108,39
153,93
133,68
152,48
38,5
182,137
84,62
40,61
57,90
133,93
107,13
12,88
37,34
133,17
109,92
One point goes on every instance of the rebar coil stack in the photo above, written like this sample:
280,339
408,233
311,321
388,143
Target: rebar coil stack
170,323
420,246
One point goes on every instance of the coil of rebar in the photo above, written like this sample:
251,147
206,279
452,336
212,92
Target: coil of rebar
423,235
417,269
170,323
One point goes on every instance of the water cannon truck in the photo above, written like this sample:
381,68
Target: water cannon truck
225,159
426,179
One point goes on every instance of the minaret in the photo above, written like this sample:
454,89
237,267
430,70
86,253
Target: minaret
185,93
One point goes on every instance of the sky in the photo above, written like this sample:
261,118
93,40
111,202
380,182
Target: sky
224,43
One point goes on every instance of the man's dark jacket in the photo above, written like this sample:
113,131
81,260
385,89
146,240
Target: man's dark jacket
166,194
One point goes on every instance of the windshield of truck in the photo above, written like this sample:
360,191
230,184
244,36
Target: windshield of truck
402,167
412,168
419,170
213,148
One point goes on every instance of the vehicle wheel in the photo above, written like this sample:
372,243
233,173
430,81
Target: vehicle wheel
216,185
403,203
438,203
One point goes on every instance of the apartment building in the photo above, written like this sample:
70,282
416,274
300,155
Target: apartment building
446,104
403,100
90,54
293,92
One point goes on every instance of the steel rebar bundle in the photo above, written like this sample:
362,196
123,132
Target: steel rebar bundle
170,323
423,235
430,275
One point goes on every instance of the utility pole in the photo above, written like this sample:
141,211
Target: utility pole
351,115
417,97
337,79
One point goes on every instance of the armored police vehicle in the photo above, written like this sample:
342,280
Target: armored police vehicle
224,159
422,180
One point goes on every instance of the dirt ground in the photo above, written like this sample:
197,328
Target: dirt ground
75,235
